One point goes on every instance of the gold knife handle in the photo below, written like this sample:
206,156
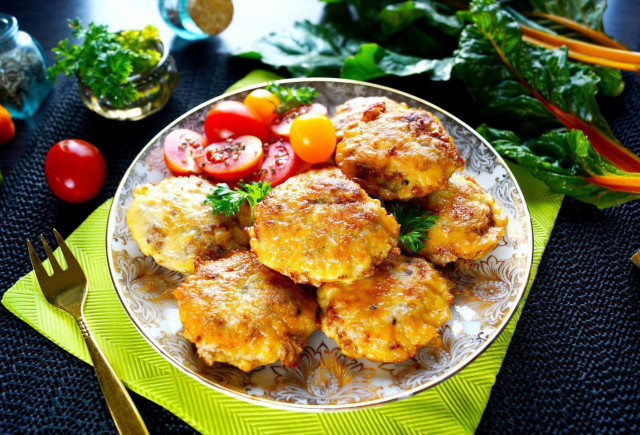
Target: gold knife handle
123,411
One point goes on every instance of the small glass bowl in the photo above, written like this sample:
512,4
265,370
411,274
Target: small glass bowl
154,87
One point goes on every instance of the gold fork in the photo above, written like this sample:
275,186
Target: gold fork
66,289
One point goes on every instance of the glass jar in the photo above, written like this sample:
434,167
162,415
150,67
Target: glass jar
154,87
23,70
196,19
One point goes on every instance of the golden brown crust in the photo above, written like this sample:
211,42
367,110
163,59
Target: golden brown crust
389,316
470,223
240,312
170,222
349,113
398,153
321,227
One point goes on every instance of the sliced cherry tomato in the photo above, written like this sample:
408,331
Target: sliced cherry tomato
313,137
181,147
280,163
231,159
282,125
232,119
263,103
75,170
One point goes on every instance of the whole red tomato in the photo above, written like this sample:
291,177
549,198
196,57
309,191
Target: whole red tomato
75,170
232,119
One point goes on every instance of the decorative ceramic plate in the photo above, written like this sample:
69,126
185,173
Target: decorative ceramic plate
487,294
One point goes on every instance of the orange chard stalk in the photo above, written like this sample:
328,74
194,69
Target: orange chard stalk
625,183
590,33
585,58
584,48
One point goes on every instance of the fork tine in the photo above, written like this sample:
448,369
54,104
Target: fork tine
72,262
52,260
38,268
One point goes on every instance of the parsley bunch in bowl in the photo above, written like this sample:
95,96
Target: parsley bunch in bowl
105,61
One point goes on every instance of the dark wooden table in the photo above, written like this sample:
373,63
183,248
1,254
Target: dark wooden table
511,406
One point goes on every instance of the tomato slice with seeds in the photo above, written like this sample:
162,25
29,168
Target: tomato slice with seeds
231,159
282,125
181,148
280,163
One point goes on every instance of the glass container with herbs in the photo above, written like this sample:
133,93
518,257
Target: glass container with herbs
23,70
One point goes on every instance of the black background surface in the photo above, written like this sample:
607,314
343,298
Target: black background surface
573,364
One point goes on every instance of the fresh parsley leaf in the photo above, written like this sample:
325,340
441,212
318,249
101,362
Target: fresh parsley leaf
224,200
291,97
227,201
255,192
414,224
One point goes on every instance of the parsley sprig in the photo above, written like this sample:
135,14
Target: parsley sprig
414,224
104,60
227,201
291,97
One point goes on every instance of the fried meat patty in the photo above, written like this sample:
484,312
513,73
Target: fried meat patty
397,153
390,315
350,112
470,222
240,312
169,222
319,226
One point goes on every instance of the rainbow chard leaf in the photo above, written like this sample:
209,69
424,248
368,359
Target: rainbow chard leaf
568,164
531,87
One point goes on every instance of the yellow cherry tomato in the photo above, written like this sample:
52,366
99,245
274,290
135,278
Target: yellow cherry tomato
263,103
313,137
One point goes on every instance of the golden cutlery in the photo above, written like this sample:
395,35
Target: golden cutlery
66,289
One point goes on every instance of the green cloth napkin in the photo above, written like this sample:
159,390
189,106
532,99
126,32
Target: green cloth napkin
454,406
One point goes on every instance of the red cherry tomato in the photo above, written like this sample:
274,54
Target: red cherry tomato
280,163
231,119
313,137
282,125
231,159
181,147
75,170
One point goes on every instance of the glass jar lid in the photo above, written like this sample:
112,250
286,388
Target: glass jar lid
8,26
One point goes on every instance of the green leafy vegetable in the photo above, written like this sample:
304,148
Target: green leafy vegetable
227,201
104,61
396,17
305,50
414,224
531,86
373,61
568,164
291,97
